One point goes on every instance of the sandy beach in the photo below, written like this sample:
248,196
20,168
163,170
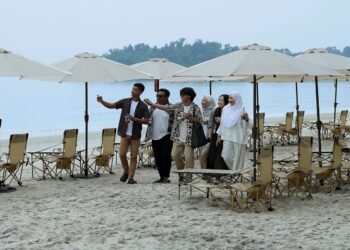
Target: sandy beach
103,213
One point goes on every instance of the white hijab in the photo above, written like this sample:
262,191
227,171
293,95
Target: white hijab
233,114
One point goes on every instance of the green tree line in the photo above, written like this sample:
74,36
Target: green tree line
187,54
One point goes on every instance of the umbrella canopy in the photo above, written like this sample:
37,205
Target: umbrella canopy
267,65
323,58
13,65
259,64
87,67
209,80
159,68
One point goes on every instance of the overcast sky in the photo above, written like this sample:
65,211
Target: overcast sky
53,30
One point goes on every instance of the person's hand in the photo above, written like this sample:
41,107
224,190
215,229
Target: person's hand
218,119
99,98
148,102
185,116
245,117
218,141
129,118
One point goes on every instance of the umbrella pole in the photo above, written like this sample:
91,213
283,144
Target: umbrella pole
257,115
210,89
86,117
335,100
254,129
86,175
156,85
318,122
297,108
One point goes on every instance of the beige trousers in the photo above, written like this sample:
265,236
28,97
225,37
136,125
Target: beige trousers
125,143
181,149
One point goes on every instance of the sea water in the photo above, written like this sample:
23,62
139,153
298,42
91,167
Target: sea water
47,108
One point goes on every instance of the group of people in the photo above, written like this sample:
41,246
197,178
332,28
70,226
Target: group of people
170,128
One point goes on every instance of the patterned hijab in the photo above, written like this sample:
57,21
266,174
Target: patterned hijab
211,105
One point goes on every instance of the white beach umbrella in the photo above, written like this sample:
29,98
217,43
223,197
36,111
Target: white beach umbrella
13,65
162,70
87,67
259,64
209,80
159,68
323,58
256,61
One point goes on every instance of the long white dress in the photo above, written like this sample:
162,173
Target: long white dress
234,144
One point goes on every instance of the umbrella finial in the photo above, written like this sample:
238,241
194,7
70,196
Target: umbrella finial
158,60
254,46
315,50
3,51
86,55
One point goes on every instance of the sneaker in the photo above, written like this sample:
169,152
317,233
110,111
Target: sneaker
166,180
124,177
132,181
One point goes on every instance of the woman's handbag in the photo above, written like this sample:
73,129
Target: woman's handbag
198,137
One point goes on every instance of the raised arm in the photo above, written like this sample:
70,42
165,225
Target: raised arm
158,106
106,104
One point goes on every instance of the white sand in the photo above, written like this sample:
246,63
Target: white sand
104,213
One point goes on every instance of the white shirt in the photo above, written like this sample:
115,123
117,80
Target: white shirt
132,113
183,126
237,134
160,121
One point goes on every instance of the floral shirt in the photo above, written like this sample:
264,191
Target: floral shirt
178,108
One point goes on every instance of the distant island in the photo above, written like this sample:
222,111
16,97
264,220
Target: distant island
187,54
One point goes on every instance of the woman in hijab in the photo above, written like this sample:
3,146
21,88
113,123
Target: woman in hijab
233,132
215,160
208,106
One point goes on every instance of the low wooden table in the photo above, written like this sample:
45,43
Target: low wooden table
214,178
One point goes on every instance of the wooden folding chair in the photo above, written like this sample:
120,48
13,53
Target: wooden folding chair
62,161
297,180
282,133
146,155
261,130
103,156
15,159
259,193
336,129
331,173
